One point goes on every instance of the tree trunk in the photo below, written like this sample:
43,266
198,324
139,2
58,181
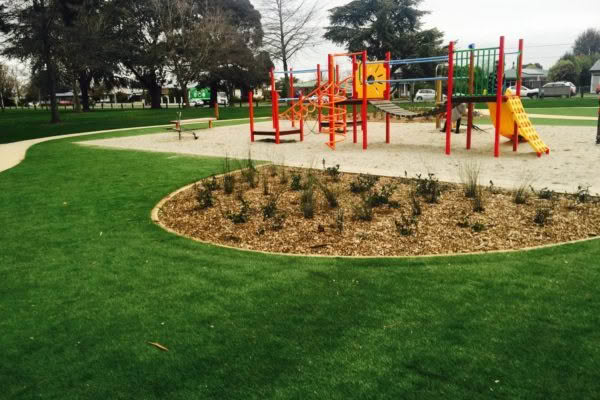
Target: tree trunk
155,94
214,87
84,85
186,95
55,116
76,101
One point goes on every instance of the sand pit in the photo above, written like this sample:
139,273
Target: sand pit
416,148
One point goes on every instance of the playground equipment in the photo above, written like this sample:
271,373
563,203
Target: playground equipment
474,76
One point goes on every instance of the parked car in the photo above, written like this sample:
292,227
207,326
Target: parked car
556,89
571,85
425,95
524,90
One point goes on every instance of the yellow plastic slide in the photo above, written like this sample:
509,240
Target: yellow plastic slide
513,112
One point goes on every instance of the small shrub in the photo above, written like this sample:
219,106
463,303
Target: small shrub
243,215
583,194
429,188
211,185
250,176
382,196
478,200
278,221
394,204
542,216
330,195
296,184
406,225
339,220
204,196
469,175
334,172
465,222
478,227
363,183
544,193
415,204
493,189
521,195
229,183
363,210
307,202
270,208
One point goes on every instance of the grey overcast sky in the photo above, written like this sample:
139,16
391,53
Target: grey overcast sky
549,27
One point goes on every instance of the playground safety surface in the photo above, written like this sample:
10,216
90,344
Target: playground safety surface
416,148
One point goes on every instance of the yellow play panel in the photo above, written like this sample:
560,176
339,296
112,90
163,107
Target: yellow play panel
375,72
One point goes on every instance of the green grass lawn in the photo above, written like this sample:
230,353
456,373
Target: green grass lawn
17,125
568,111
86,280
544,121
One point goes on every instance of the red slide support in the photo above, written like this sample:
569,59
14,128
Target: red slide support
364,99
251,105
449,95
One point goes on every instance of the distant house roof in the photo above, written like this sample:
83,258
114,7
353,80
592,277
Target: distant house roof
596,67
528,73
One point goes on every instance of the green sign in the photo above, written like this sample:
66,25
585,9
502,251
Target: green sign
199,94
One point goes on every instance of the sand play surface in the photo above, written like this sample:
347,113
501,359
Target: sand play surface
417,148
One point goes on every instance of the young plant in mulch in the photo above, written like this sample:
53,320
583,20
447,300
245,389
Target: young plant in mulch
333,172
429,188
308,202
363,183
521,192
478,200
339,220
543,216
211,184
493,189
249,171
363,210
204,197
278,221
265,185
243,215
330,194
273,170
415,204
382,196
478,227
469,176
582,195
544,193
406,225
283,175
296,184
228,177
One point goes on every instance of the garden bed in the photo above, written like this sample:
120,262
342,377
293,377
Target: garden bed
292,210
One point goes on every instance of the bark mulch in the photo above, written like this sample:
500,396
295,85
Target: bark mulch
449,226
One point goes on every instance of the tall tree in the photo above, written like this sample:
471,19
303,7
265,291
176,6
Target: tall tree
385,25
6,84
587,43
141,46
35,32
192,34
583,65
289,27
564,70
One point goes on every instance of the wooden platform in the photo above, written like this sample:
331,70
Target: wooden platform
391,108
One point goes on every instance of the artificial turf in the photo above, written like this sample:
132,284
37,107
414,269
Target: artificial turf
87,280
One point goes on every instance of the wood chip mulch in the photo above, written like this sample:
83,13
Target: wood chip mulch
448,227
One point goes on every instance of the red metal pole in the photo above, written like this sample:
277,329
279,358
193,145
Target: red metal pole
250,95
471,105
331,105
388,76
273,91
500,77
354,96
519,84
292,95
364,99
319,99
276,118
301,118
449,95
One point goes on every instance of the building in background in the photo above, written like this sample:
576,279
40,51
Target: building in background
595,84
